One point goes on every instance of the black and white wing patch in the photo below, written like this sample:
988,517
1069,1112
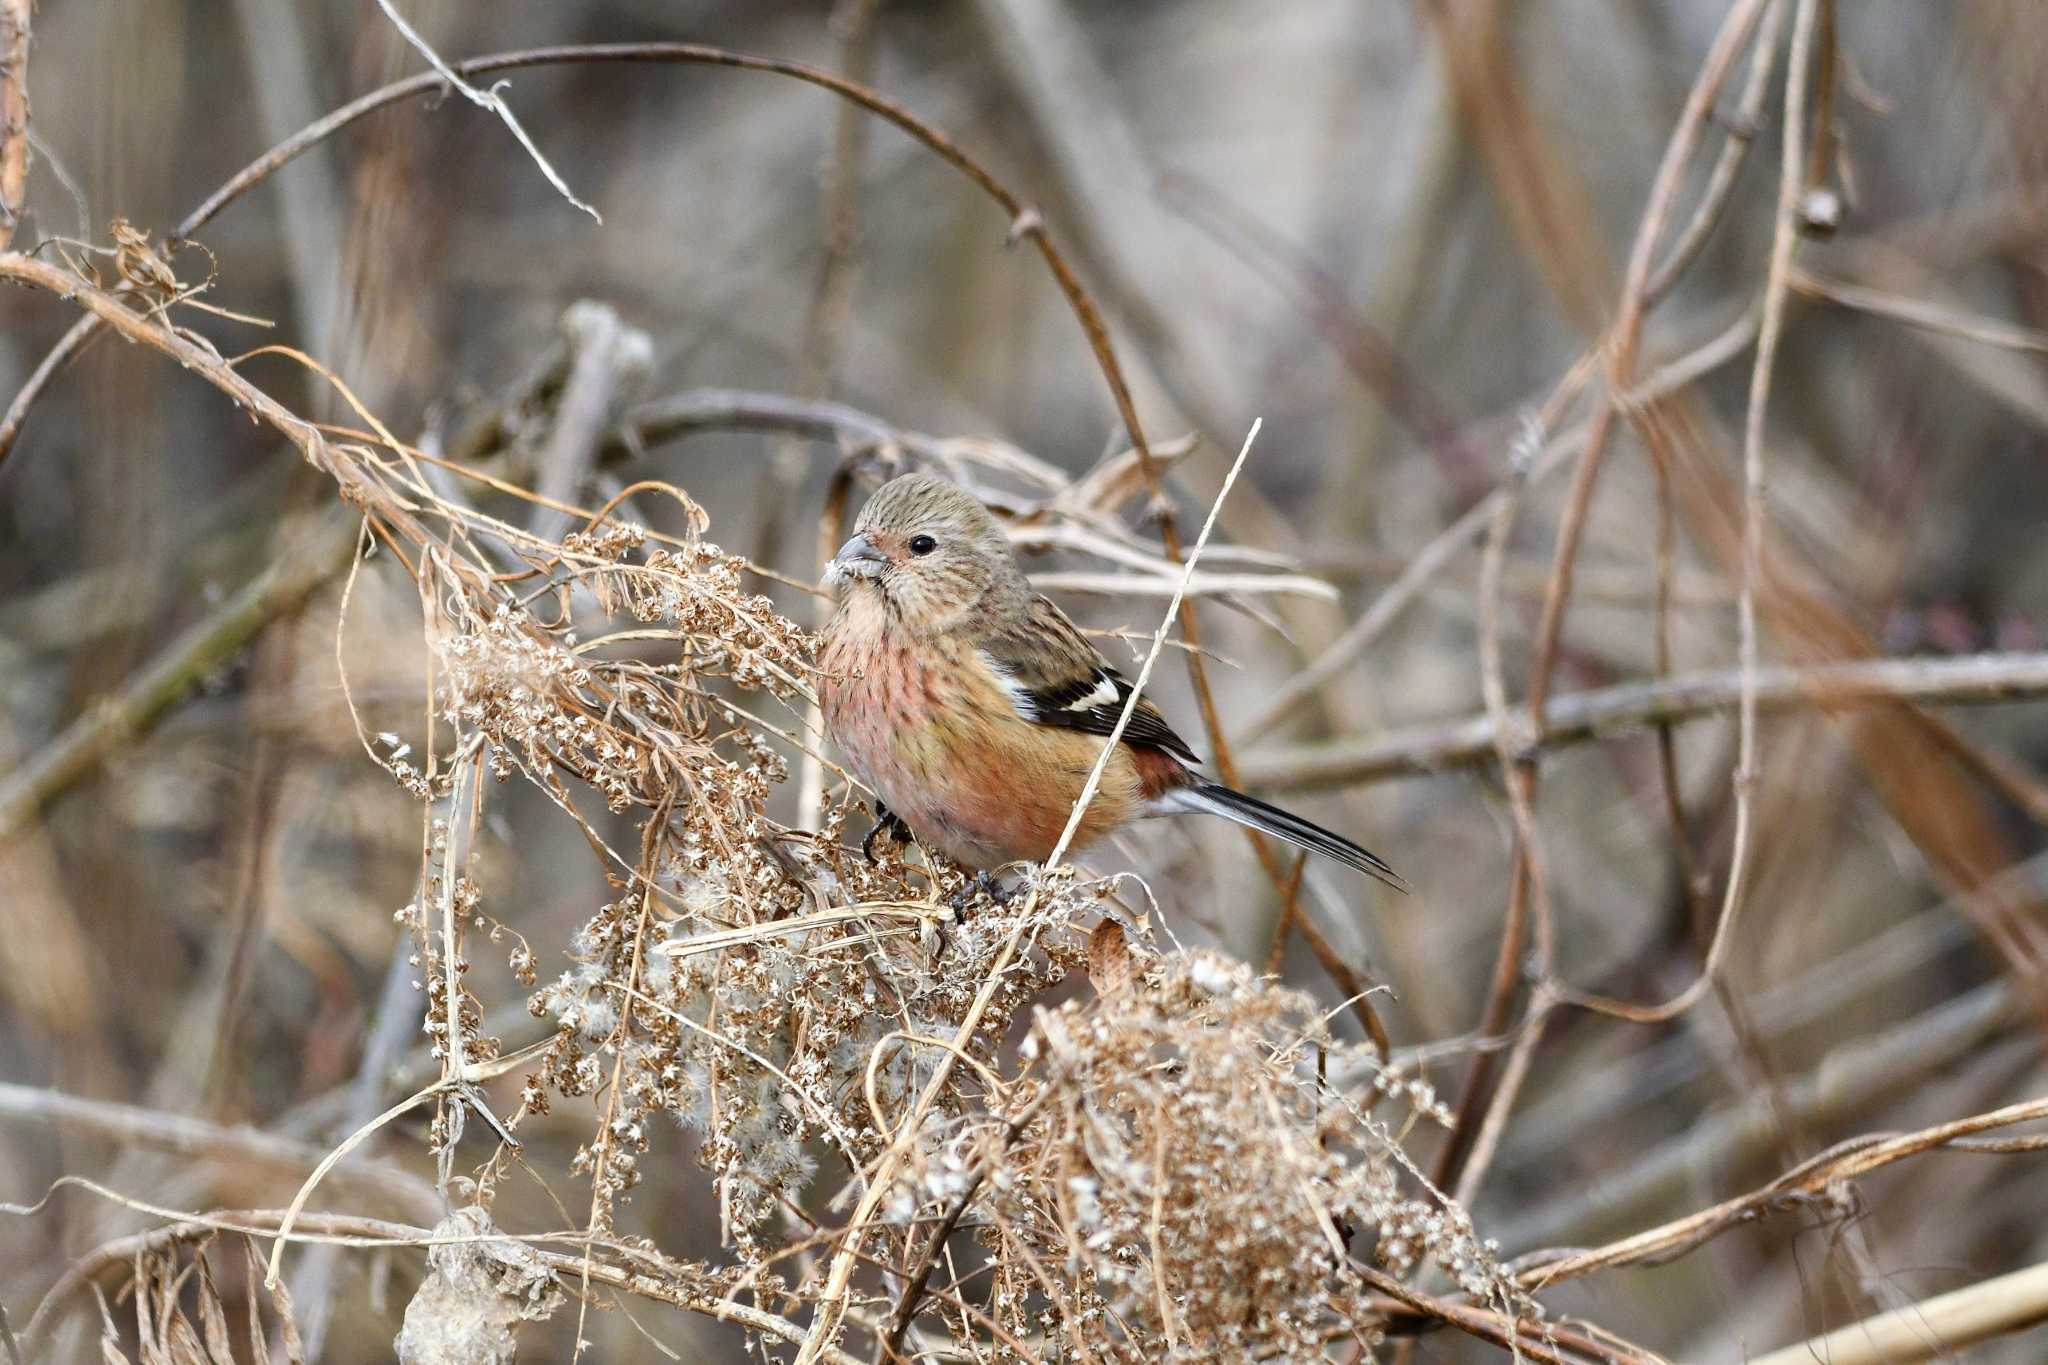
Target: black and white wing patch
1055,677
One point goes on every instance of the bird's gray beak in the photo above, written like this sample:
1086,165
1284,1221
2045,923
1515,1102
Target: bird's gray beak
856,559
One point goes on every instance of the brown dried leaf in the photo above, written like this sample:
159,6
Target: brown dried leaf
181,1343
287,1325
213,1316
259,1350
1111,968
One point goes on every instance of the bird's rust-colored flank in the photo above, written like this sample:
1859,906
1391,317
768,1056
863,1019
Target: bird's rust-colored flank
976,710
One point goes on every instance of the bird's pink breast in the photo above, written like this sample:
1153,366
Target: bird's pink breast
928,727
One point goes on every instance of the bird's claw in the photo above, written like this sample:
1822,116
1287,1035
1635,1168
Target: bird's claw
985,883
886,822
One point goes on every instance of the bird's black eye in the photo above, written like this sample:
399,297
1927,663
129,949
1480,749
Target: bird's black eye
922,545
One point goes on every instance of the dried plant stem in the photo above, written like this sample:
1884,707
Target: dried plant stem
491,99
1754,512
68,347
1625,334
1482,1323
334,1158
818,353
681,1290
1740,132
1931,317
1620,346
1932,1328
920,1274
429,83
600,1163
1578,717
1528,895
1847,1085
202,1140
1431,561
1842,1163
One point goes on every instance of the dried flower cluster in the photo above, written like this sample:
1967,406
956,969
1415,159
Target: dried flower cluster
1188,1178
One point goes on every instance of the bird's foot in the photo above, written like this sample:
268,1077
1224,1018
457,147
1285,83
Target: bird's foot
986,883
886,822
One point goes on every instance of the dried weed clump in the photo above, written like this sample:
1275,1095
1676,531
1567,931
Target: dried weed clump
1193,1183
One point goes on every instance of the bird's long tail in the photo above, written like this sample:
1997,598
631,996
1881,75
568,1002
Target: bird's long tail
1215,799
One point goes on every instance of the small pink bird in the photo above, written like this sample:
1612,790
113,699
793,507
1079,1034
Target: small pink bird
975,710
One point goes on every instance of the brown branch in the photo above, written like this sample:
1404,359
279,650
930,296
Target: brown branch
1931,317
1510,1334
1848,1083
1627,331
1741,131
1477,1127
199,1139
681,1285
907,1302
1575,718
1754,514
1621,343
1801,1185
1435,557
1024,220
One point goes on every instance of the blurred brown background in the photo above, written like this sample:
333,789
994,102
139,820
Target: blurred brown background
1386,229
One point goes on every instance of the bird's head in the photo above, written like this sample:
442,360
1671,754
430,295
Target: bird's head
930,551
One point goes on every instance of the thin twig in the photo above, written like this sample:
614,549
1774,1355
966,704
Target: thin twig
1749,644
1930,317
920,1274
1627,332
69,346
1522,1338
1849,1082
492,99
674,1285
1842,1163
1620,344
1740,129
429,83
1577,717
200,1139
1931,1329
1434,558
1528,895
